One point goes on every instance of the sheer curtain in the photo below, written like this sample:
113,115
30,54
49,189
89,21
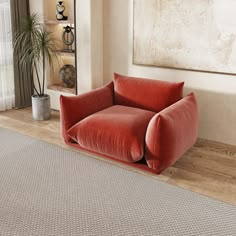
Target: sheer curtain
7,93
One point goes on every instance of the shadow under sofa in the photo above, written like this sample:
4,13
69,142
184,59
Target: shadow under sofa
132,120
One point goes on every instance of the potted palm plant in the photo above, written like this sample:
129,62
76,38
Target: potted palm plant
36,47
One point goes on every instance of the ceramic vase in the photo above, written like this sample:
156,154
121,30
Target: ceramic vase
68,76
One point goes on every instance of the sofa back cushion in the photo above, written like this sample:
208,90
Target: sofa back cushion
153,95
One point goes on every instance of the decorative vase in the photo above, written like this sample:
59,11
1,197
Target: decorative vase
68,76
41,108
60,8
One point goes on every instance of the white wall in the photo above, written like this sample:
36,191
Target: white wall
216,93
89,18
36,6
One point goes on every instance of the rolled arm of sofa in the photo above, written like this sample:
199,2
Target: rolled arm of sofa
76,108
171,133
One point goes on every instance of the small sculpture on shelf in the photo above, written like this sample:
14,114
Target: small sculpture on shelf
68,38
59,12
68,76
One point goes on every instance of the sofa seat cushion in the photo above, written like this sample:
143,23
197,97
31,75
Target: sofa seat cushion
117,131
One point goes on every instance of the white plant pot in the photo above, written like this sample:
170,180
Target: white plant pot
41,108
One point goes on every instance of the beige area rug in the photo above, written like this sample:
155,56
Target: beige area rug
48,190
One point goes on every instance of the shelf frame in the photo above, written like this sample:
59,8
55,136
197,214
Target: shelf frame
75,32
51,22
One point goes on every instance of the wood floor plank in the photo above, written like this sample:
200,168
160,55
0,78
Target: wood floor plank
208,168
217,187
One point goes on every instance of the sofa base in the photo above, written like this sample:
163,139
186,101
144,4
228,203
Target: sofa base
141,165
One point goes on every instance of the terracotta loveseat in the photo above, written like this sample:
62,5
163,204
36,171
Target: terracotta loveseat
132,119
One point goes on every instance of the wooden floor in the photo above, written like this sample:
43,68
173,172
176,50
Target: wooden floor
208,168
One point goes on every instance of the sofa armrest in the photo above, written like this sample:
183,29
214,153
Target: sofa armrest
76,108
171,133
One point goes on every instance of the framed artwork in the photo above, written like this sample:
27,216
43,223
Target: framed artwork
186,34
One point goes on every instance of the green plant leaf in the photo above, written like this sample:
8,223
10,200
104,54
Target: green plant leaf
34,45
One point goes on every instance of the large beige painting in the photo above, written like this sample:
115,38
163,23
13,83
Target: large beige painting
189,34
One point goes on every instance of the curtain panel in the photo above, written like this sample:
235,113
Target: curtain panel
7,94
22,76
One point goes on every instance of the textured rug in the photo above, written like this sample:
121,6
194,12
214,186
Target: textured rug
48,190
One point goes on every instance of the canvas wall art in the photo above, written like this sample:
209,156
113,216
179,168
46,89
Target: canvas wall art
187,34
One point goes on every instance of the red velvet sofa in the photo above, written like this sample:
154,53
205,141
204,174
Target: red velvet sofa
132,119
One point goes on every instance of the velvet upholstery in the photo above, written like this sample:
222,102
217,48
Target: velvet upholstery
118,131
132,119
153,95
171,132
76,108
